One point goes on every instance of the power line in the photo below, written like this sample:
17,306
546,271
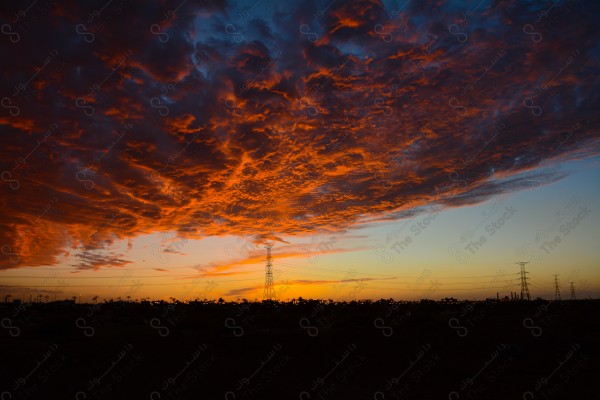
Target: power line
289,265
342,277
500,283
460,283
293,273
86,270
108,285
450,290
407,276
325,269
97,277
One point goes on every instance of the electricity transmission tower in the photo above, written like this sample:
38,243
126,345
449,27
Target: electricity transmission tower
572,290
524,287
269,293
556,288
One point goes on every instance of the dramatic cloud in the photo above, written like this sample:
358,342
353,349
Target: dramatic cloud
124,118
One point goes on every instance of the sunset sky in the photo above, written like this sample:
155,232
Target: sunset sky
404,149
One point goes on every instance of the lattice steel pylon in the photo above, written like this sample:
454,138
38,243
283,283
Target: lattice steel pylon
556,288
269,292
524,287
572,290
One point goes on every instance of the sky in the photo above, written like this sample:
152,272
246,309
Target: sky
385,149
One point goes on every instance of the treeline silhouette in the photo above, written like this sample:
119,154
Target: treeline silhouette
301,349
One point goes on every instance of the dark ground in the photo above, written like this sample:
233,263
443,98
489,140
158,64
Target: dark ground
313,350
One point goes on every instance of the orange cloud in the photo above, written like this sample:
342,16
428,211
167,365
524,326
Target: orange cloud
128,131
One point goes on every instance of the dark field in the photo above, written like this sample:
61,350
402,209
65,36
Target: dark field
308,350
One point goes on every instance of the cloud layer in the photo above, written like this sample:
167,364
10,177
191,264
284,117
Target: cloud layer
268,119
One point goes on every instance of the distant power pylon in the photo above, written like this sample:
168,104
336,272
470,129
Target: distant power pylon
524,287
572,290
556,288
269,293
